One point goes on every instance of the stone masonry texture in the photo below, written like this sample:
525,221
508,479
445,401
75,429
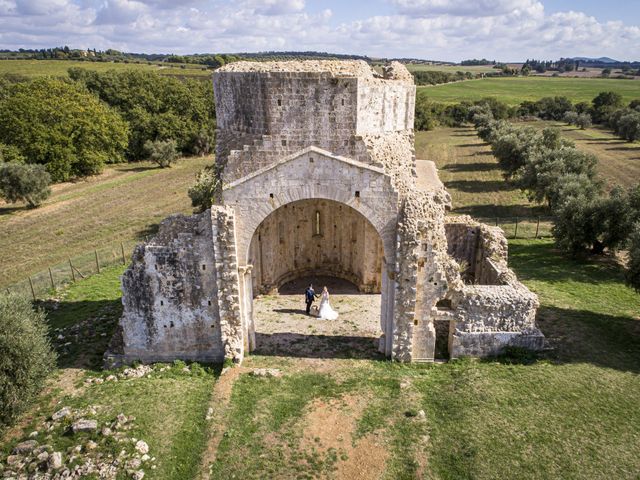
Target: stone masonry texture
317,169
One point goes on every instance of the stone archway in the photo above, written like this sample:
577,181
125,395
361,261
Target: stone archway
315,174
318,240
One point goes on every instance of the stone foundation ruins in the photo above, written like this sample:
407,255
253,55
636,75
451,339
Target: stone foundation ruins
318,175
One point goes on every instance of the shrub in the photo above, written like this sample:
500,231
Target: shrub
628,126
570,118
553,108
583,121
26,357
632,275
604,103
162,152
10,153
24,182
204,191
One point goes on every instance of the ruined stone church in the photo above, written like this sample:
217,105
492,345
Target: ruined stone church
318,176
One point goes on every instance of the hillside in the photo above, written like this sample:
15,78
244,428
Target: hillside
123,204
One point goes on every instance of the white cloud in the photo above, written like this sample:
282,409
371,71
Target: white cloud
434,29
477,8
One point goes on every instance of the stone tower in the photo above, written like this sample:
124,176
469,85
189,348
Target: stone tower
318,174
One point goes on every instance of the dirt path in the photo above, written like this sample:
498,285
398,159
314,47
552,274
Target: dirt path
216,415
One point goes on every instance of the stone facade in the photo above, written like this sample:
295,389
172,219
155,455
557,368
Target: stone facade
318,174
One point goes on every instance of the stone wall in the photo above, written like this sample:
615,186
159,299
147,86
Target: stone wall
293,105
316,237
179,297
494,310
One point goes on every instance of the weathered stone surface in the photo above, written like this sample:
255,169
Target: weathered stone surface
60,414
24,447
84,425
318,174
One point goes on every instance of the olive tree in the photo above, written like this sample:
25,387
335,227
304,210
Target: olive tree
24,182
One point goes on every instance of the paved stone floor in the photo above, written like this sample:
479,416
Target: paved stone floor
284,329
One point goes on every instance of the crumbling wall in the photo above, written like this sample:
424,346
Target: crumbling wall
178,294
425,273
494,310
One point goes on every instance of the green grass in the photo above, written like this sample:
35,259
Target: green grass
170,409
415,67
123,204
59,68
513,91
570,413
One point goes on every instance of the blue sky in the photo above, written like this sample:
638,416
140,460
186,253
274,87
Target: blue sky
507,30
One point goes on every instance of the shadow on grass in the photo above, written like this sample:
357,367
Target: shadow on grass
479,186
471,167
147,232
540,261
317,346
472,145
80,331
6,210
581,336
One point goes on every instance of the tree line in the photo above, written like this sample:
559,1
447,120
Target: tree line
54,130
607,109
550,169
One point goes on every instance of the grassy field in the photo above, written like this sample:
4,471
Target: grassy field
415,67
59,68
513,91
125,203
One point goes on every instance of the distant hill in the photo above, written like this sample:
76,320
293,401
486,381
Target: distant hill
596,60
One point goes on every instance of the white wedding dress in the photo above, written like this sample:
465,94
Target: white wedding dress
326,312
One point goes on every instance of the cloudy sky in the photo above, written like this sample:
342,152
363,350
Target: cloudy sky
507,30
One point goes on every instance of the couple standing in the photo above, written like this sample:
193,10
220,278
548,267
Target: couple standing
325,311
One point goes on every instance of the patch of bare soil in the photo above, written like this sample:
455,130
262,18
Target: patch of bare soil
330,425
284,329
218,404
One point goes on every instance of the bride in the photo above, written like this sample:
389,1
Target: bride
325,311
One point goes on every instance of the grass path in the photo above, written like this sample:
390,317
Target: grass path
124,203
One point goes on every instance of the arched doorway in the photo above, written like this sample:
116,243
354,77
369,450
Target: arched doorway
324,242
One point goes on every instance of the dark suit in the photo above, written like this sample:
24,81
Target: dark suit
309,296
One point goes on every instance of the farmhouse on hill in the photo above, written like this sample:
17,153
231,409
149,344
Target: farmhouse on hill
318,174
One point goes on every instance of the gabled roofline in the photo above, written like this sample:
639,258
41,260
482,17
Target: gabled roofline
293,156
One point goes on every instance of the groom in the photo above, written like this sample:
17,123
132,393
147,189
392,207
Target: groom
309,296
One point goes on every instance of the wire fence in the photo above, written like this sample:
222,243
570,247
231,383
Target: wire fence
44,284
522,227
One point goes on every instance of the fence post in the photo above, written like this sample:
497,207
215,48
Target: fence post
73,275
496,221
537,226
53,285
97,261
33,292
124,262
515,234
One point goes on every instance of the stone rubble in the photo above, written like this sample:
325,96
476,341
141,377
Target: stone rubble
30,460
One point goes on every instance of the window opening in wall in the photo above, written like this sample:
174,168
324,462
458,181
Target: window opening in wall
357,193
317,226
284,143
343,101
271,195
279,102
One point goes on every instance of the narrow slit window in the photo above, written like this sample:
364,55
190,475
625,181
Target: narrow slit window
317,229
